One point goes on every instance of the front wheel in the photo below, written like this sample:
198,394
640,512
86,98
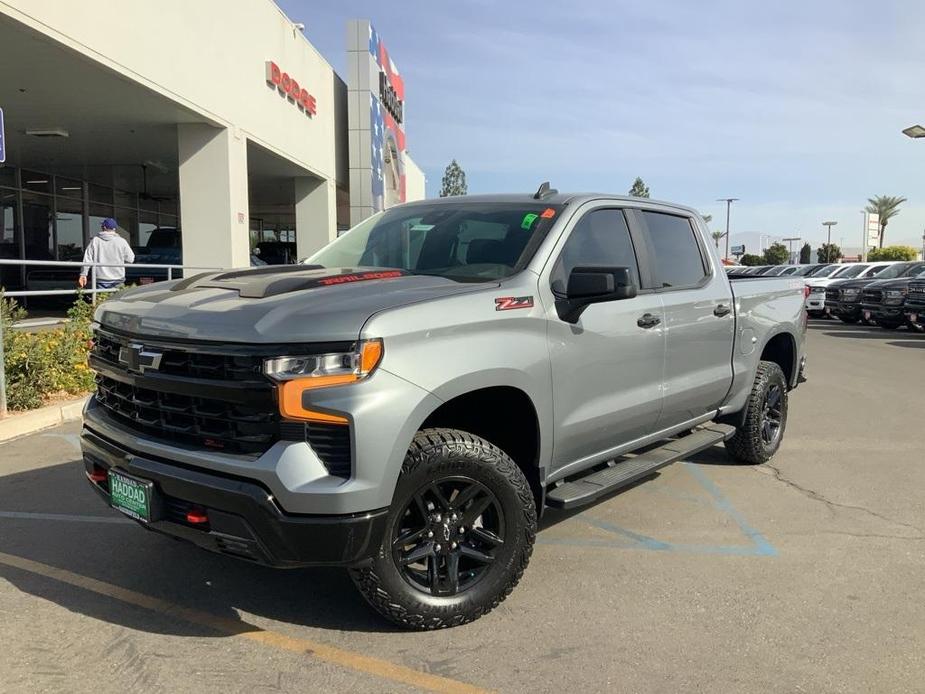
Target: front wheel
886,325
849,319
459,535
761,433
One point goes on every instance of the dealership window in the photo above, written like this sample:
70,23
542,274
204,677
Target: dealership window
38,225
9,237
69,225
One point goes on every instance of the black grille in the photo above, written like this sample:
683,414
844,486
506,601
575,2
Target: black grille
188,419
873,296
832,294
185,362
917,290
330,442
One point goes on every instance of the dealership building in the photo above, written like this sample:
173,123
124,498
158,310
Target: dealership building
217,119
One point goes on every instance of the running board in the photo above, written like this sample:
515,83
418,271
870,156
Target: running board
585,490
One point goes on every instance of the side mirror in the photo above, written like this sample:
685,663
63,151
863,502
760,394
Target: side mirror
593,285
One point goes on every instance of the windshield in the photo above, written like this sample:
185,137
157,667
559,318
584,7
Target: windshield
847,271
825,271
804,271
912,270
464,241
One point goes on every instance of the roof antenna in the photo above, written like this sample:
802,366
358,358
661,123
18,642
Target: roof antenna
544,191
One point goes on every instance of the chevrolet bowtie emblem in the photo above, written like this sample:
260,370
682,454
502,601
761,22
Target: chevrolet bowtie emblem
135,358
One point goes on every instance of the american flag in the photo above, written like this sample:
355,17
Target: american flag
383,126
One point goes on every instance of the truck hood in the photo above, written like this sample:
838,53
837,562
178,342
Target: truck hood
295,303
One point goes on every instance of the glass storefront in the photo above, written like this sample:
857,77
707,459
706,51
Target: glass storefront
47,217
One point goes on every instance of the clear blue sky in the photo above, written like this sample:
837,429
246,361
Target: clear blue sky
794,107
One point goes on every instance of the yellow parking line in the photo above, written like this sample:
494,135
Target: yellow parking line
232,627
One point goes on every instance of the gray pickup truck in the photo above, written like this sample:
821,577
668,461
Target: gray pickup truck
408,401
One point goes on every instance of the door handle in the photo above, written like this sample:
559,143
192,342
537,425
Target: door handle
648,320
722,310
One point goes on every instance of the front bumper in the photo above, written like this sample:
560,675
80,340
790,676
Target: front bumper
846,309
815,302
244,520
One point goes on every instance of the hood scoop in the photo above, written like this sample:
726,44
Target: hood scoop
264,282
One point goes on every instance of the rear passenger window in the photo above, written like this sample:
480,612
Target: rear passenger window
676,254
600,238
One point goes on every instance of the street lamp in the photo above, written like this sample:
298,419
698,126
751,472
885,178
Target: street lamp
790,241
728,202
914,131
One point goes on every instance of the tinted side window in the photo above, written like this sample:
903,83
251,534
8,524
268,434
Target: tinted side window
676,253
601,237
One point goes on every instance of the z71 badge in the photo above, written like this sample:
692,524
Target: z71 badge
509,303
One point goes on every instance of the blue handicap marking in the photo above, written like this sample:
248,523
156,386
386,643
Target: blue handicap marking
756,545
2,139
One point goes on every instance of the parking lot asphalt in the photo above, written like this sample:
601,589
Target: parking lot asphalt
806,574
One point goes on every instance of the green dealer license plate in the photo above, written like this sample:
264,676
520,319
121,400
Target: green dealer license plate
130,495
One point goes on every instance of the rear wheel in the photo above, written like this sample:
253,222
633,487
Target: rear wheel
460,533
761,433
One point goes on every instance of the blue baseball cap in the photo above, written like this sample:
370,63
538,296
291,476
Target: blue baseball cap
109,223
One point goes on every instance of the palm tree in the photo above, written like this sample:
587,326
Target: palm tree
887,206
717,235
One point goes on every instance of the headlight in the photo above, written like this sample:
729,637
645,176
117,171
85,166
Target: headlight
895,293
297,374
817,290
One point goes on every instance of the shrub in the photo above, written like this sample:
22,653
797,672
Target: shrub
44,364
893,253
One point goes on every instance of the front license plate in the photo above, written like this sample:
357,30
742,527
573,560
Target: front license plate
131,496
866,315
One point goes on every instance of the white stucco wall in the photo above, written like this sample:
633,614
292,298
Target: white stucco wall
414,181
209,55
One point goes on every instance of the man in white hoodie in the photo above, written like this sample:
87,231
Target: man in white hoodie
107,247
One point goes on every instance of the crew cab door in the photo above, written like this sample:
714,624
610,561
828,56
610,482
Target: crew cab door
699,316
607,368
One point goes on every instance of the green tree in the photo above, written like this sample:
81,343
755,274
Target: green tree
717,235
639,189
887,206
893,253
806,254
454,181
751,259
829,253
776,254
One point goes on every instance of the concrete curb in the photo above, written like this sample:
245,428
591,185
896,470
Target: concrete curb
25,423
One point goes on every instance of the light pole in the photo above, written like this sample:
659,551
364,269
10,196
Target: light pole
790,241
728,202
828,249
923,246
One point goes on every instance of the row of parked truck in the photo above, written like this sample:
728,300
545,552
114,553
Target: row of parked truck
888,294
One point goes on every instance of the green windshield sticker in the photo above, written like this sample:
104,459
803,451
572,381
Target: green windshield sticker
528,220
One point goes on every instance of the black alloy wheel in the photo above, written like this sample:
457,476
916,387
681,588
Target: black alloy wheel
447,535
772,415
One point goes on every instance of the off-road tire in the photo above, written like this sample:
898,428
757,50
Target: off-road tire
886,325
443,453
747,445
848,319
